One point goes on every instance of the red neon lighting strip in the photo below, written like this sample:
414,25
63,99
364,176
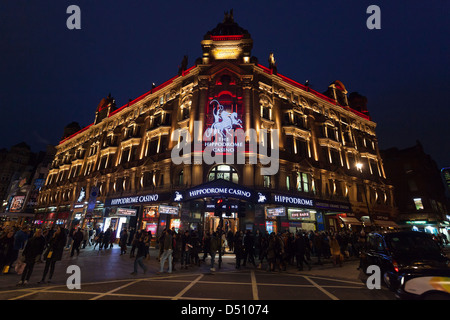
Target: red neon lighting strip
317,94
76,133
187,71
229,38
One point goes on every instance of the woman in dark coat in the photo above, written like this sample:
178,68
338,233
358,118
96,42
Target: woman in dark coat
54,252
6,251
33,249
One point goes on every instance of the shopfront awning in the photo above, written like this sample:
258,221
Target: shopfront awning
386,223
351,220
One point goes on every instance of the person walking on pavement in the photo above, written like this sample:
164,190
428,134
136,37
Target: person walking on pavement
238,249
33,250
6,251
106,239
139,259
263,244
299,251
167,254
161,244
20,238
123,241
99,240
195,248
70,237
148,241
85,237
54,252
185,243
134,243
214,246
317,245
249,246
336,251
272,252
77,239
91,236
206,242
177,248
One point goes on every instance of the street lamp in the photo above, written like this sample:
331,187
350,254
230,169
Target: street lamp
359,166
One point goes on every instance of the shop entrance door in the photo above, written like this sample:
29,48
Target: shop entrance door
212,222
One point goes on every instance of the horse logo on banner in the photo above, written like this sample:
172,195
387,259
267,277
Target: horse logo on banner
224,121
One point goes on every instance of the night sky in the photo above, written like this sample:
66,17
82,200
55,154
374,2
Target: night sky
52,76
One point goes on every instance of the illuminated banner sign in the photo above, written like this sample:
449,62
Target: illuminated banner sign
163,209
224,114
292,200
298,215
126,212
276,212
17,204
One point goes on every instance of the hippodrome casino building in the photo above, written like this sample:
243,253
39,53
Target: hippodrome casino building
118,171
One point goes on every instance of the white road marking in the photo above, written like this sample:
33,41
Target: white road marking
182,292
331,296
254,286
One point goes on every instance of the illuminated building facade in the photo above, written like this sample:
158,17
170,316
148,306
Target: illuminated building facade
120,169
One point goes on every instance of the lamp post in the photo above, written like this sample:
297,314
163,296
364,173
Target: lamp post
359,166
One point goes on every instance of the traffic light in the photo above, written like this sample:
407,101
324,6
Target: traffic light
228,212
218,203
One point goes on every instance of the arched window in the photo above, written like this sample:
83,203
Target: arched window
223,172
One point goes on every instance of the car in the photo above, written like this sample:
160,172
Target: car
411,264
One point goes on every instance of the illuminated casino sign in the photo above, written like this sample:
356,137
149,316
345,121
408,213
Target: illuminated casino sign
133,200
292,200
219,188
218,191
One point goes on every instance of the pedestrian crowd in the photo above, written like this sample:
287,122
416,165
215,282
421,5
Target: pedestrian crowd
277,251
21,247
269,251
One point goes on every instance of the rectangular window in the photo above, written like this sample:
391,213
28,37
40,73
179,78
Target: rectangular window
266,181
305,181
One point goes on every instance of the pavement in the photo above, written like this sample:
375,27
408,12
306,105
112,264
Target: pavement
104,265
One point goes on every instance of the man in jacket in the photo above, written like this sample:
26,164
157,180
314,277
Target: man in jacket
249,246
20,238
299,251
185,243
213,247
33,249
54,253
141,250
168,248
77,238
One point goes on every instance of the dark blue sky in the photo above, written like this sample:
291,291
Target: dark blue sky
51,76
